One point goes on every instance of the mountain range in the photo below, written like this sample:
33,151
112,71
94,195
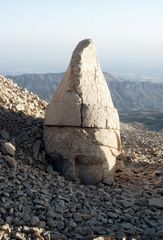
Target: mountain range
138,102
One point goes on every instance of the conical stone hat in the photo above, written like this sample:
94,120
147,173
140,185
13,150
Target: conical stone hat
83,98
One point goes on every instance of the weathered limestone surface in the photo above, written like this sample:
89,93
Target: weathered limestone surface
81,128
88,154
83,98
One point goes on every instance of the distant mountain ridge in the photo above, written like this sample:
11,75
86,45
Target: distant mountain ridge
127,95
41,84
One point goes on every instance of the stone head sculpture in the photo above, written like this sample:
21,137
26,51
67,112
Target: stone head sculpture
81,127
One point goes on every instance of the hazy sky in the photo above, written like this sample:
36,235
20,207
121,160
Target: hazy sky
40,35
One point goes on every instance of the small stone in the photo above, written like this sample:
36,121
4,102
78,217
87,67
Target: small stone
8,149
127,225
157,173
120,166
73,209
122,157
19,107
60,225
106,238
141,201
51,222
47,236
1,234
77,217
86,216
26,216
160,233
9,220
27,229
156,202
127,203
121,235
20,236
57,236
108,181
50,169
37,234
17,221
59,217
4,134
39,202
6,228
72,223
112,215
35,220
82,230
110,221
42,224
36,149
10,161
160,190
51,212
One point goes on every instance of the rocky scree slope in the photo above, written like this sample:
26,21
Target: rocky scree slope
37,203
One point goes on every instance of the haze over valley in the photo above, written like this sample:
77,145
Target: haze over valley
137,101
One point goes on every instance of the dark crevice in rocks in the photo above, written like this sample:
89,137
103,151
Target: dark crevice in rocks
83,127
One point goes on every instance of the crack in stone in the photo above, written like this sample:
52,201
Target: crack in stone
85,127
81,110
